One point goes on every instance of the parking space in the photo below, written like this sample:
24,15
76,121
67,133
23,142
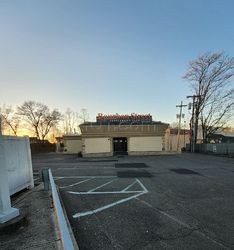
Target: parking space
157,202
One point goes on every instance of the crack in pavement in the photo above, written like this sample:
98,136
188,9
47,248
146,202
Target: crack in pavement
192,230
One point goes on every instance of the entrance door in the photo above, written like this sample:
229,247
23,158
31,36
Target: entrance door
120,145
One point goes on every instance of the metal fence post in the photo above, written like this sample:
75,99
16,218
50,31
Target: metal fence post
45,178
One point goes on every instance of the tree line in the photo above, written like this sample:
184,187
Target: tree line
39,120
210,78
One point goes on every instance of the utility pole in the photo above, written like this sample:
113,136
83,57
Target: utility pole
184,134
0,124
193,123
178,135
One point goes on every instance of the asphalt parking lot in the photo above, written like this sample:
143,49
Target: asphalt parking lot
157,202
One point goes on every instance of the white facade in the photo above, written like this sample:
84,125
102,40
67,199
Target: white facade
73,146
112,139
143,144
97,145
171,140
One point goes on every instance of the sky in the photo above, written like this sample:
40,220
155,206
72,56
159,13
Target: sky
109,56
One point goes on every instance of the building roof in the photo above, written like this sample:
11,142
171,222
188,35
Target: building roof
122,123
71,137
174,131
116,119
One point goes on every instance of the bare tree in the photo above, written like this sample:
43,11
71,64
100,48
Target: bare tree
48,121
10,119
39,117
174,125
209,76
70,122
84,115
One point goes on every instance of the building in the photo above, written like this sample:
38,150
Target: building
174,141
222,135
118,134
72,144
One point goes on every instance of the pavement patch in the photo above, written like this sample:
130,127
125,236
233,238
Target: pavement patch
106,160
133,174
131,165
184,171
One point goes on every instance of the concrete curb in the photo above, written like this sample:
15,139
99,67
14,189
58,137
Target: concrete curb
68,222
62,226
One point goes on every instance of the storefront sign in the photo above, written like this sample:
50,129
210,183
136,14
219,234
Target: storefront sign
124,118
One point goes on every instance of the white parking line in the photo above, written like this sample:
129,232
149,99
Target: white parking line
165,214
85,167
144,188
134,194
105,192
129,186
91,190
83,177
77,183
58,178
78,215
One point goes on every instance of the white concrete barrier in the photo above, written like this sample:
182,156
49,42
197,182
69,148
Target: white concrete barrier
15,172
67,242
